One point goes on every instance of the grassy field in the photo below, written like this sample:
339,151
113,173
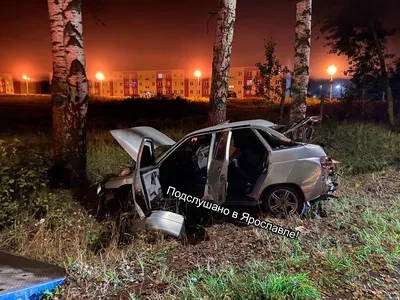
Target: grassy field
352,253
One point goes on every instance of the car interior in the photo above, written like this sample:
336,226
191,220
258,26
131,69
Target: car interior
247,161
186,168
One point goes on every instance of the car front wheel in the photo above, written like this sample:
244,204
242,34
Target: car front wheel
283,201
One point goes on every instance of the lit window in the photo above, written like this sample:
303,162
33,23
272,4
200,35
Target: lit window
249,82
159,76
231,86
168,83
134,83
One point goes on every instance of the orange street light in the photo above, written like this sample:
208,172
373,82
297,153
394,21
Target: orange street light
26,78
100,76
197,74
331,71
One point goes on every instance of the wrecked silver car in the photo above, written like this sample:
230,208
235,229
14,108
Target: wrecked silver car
247,163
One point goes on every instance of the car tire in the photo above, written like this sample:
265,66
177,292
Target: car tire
283,201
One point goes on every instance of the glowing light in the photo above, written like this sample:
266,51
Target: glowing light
197,73
332,70
338,86
24,77
100,76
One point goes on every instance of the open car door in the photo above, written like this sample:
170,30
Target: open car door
147,192
216,186
146,179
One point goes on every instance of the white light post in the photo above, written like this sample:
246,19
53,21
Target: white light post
100,76
198,74
26,78
331,71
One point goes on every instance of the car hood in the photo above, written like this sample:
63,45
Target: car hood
131,138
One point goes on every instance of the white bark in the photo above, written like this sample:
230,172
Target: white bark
75,58
301,60
57,38
59,89
222,60
75,121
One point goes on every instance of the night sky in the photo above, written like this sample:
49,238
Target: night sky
150,34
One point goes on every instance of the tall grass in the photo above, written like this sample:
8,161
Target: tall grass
361,147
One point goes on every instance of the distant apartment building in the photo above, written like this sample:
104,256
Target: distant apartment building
6,83
244,81
147,83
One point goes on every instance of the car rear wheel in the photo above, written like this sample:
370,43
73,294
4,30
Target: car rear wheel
283,201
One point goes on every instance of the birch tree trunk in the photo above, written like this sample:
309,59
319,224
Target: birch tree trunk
301,61
282,98
221,60
77,102
59,88
384,74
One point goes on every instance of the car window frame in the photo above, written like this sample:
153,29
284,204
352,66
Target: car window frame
163,156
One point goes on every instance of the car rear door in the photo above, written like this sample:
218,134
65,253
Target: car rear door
146,179
216,186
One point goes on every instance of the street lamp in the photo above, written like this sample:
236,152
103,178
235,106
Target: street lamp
320,91
197,74
26,78
331,71
100,76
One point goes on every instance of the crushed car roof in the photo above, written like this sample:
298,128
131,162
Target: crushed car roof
253,123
